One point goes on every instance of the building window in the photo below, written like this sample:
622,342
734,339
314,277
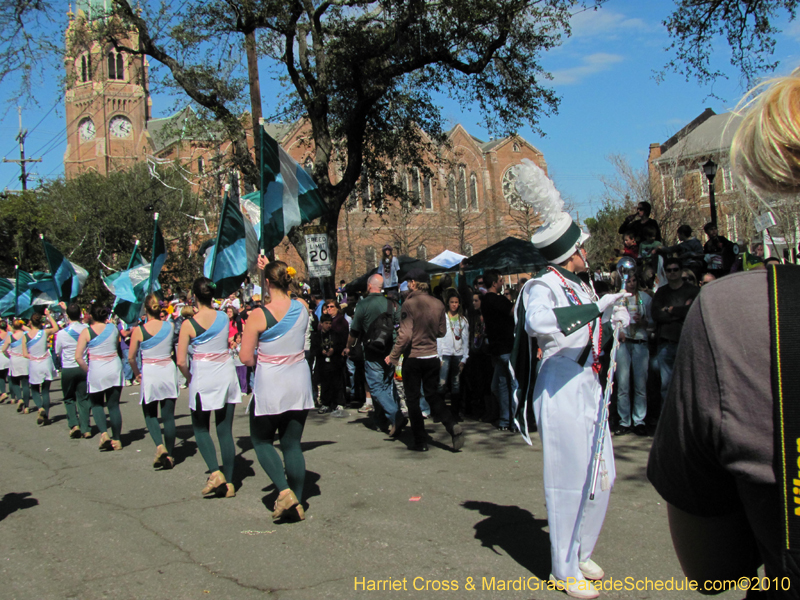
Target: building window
451,191
677,184
86,68
371,256
428,192
473,191
200,166
366,197
352,202
516,147
468,249
415,186
115,70
462,188
704,183
308,165
422,252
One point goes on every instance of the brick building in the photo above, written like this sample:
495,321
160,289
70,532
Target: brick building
464,208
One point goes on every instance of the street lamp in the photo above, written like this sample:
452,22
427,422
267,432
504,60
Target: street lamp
710,169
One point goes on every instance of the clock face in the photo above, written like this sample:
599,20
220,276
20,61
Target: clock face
86,130
120,127
509,191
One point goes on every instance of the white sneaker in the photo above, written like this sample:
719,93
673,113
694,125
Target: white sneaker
578,589
591,570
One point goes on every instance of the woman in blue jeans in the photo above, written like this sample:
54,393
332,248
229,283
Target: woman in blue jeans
453,352
633,355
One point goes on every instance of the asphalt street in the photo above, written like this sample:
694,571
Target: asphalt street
79,523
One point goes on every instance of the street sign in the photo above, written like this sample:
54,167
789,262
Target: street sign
319,260
764,221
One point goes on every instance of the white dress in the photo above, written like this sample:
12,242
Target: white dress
4,361
159,374
567,405
283,379
105,366
67,342
214,377
18,365
41,367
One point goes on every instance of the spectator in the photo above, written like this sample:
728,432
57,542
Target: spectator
688,276
689,249
498,317
720,251
630,245
649,243
707,278
423,321
670,305
234,321
231,300
453,350
378,373
636,222
330,365
633,357
389,268
479,370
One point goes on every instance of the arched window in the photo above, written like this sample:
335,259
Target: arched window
428,192
84,69
473,191
200,165
308,165
516,147
415,186
462,188
115,66
422,252
451,191
468,249
372,257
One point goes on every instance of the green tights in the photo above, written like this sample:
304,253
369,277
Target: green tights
76,400
289,427
41,396
111,396
3,378
20,390
150,411
201,422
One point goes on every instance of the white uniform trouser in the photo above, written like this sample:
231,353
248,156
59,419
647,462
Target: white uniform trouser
567,405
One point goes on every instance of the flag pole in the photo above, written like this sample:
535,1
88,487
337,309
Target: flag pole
261,275
152,257
133,255
16,290
225,201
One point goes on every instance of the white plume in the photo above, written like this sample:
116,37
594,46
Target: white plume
537,189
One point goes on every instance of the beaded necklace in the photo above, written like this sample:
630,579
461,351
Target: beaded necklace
596,366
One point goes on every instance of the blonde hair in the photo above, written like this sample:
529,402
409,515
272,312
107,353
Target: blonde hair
765,152
152,305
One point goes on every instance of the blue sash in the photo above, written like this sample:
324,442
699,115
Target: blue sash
220,322
72,333
284,325
166,329
103,336
36,338
16,342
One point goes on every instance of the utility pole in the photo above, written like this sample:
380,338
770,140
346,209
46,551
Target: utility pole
22,160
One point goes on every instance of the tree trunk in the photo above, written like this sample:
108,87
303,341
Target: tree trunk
255,91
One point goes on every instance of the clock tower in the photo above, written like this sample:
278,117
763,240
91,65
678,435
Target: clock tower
107,99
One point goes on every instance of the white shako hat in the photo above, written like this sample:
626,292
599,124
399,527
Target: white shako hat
559,237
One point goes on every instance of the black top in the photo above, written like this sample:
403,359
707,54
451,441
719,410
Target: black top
636,227
498,318
671,323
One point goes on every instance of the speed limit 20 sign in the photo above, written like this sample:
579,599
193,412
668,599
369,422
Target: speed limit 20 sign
319,261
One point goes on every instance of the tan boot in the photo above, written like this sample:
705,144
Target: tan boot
214,483
288,507
160,451
116,445
105,441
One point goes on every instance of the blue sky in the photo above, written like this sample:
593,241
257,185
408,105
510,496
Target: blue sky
610,101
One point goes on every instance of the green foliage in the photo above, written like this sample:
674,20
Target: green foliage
94,217
605,245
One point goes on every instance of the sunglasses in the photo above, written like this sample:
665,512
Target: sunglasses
671,270
689,279
331,306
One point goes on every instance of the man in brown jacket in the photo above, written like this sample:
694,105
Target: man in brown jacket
422,321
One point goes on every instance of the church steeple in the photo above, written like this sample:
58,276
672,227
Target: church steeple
107,100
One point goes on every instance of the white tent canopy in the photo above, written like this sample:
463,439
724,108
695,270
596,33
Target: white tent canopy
448,259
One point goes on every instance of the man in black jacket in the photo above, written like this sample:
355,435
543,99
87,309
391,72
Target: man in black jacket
669,309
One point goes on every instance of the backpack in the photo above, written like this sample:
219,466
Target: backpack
380,335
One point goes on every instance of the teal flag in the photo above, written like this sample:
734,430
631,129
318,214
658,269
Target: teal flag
130,287
68,278
288,194
226,262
